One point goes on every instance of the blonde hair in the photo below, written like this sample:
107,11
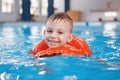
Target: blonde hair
61,16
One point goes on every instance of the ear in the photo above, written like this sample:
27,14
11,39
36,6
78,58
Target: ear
43,31
70,38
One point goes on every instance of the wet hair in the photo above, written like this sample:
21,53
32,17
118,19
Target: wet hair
61,16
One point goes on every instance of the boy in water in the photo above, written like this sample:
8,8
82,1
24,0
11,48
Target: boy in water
58,37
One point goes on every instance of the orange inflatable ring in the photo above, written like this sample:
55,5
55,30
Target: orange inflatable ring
77,46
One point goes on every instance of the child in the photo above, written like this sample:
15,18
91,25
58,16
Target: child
58,38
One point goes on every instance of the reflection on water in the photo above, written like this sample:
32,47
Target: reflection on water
7,76
109,30
8,36
8,33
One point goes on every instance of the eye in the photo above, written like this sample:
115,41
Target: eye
49,31
60,32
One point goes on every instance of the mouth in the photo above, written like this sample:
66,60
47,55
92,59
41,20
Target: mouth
53,41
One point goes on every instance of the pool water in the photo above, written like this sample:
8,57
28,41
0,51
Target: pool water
16,39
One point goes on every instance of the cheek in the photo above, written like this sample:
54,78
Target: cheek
64,38
68,37
46,34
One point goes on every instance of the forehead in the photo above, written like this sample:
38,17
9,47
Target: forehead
58,23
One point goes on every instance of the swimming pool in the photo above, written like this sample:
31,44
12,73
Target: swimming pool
16,39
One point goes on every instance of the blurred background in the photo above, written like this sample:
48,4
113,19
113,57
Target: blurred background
40,10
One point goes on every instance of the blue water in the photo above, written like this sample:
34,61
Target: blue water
16,39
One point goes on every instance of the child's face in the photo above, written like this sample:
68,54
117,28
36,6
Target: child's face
57,33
